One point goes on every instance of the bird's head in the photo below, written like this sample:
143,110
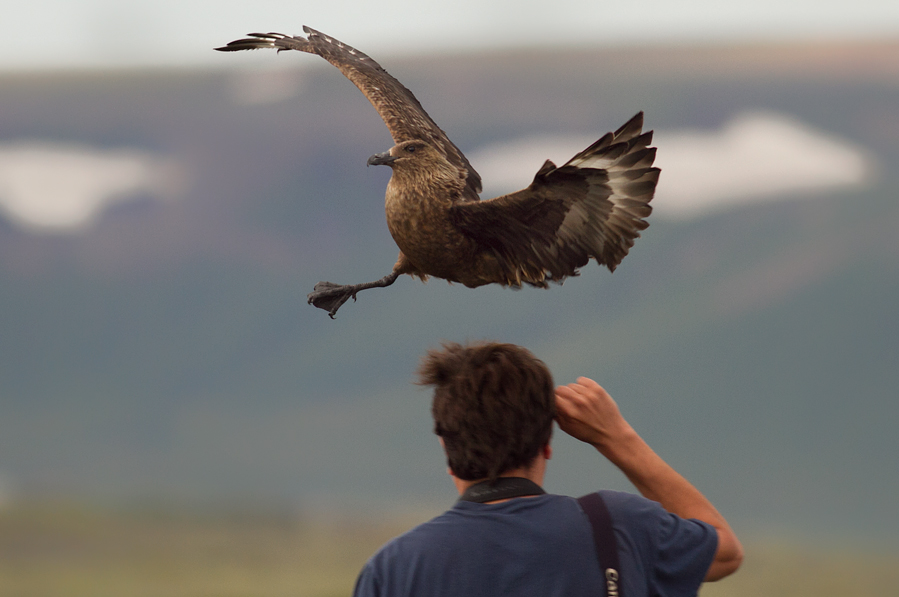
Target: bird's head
417,164
414,153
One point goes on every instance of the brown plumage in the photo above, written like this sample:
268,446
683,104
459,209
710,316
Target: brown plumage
593,206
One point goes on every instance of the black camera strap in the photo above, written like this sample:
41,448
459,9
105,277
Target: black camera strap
604,539
503,488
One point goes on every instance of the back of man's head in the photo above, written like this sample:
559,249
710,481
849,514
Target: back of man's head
493,407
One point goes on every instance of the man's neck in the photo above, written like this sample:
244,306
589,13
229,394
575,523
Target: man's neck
534,473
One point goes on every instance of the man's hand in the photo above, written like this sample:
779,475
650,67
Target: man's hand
586,412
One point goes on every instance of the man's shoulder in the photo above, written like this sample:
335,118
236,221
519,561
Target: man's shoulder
421,535
642,516
456,522
641,520
627,507
623,506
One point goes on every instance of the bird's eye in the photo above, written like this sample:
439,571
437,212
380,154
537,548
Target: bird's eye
410,148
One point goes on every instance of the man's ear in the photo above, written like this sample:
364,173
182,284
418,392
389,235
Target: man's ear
547,451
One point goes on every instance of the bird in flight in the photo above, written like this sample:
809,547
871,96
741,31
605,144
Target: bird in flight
593,206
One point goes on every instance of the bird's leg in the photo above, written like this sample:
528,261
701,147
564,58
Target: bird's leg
330,296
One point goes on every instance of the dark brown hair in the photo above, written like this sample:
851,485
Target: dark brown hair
494,406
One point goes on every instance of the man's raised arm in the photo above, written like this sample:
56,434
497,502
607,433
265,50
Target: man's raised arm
587,412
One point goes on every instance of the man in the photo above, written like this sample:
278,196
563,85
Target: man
494,407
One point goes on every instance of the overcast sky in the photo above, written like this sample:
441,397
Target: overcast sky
121,33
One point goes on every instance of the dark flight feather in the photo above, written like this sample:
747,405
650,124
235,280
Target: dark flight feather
593,206
399,109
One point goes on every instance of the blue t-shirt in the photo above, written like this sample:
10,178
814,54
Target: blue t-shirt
541,546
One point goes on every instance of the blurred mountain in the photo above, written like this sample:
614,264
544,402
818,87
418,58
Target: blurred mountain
165,350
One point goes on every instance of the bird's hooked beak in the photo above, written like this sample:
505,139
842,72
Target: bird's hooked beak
381,159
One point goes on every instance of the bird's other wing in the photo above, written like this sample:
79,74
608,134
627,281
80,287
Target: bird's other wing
400,110
592,207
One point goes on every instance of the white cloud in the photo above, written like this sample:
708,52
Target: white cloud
754,157
56,187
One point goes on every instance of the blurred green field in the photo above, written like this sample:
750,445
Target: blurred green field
73,551
65,550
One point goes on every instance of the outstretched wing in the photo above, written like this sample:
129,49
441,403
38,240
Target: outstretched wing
400,110
592,207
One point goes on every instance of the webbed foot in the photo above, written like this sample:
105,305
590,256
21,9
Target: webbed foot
330,296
